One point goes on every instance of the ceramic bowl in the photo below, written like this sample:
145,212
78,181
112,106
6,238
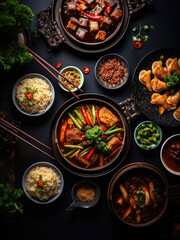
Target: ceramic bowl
154,145
106,58
44,164
32,75
72,68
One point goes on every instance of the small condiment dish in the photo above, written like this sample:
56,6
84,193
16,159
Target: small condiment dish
84,204
72,68
105,59
32,75
153,145
166,160
42,164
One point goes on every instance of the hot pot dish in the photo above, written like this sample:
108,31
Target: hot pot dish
90,135
91,21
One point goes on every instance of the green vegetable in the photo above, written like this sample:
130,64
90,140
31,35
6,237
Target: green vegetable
14,19
94,133
74,121
74,146
9,199
72,151
113,131
102,147
173,82
139,36
147,135
156,195
93,114
111,128
81,118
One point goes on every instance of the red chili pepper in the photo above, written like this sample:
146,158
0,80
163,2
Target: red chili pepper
108,9
40,184
85,116
58,65
86,70
91,16
89,118
103,137
83,137
138,44
29,95
104,129
97,117
82,2
91,152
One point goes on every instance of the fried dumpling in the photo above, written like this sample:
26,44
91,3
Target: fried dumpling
145,78
158,85
159,71
160,101
172,65
174,99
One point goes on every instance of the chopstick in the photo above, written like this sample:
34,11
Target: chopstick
7,124
40,60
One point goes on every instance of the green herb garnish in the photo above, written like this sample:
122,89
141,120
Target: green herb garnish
139,36
9,199
173,82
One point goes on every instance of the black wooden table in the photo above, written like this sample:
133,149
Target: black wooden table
51,221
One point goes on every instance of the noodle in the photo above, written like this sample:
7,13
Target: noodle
42,97
51,187
73,76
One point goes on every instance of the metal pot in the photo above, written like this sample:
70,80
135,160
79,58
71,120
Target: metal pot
52,28
170,193
98,99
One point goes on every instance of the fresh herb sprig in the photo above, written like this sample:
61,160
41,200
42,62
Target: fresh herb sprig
9,199
29,97
138,37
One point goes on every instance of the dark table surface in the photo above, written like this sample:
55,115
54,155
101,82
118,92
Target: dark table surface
51,221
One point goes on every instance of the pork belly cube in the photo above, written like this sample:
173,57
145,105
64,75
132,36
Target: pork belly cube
83,22
89,2
97,10
93,25
71,7
81,33
110,2
73,136
116,14
72,24
101,3
105,24
101,35
83,7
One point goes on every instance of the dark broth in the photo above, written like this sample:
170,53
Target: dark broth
133,181
168,160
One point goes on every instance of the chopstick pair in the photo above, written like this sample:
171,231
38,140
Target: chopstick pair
8,127
41,62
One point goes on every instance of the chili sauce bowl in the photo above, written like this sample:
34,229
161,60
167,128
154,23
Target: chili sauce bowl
154,144
16,104
105,59
71,68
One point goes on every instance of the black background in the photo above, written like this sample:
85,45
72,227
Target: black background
51,221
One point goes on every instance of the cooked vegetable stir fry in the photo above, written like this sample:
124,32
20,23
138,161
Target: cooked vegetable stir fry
90,136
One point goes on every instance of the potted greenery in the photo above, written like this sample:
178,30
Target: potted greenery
14,19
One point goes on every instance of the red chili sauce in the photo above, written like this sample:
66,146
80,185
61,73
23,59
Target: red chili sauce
171,154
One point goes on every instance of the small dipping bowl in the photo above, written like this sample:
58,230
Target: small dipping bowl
83,204
42,164
167,161
32,75
71,68
153,145
106,58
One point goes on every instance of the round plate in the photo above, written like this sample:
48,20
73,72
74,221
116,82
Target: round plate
78,171
143,96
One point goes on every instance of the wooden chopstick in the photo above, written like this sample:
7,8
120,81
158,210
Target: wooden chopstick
50,66
19,130
22,139
42,65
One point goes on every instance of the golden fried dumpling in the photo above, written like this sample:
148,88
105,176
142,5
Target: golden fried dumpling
172,65
174,99
145,78
158,85
159,71
160,101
